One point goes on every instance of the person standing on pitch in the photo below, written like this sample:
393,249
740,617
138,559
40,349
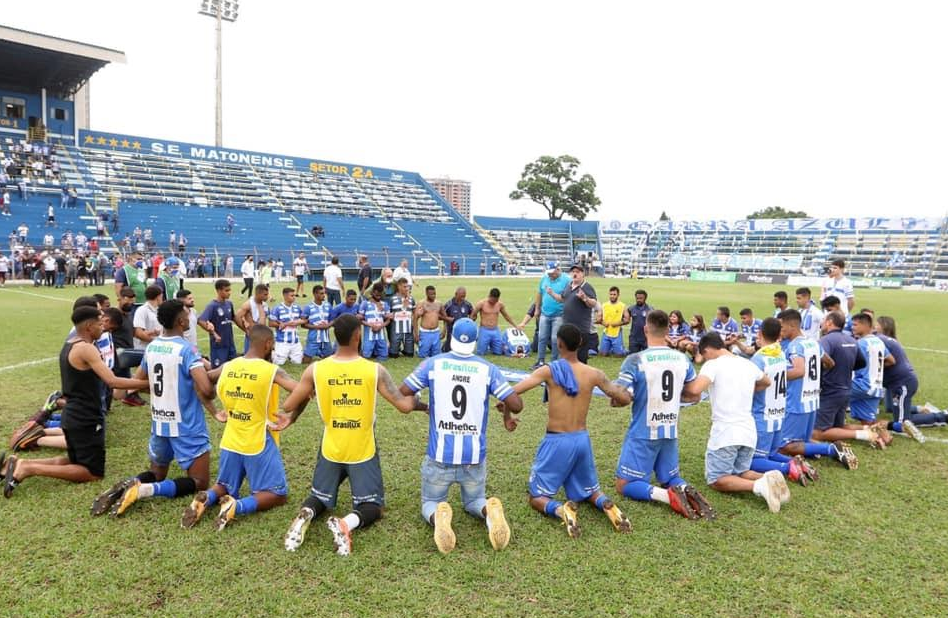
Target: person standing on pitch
247,271
253,311
218,320
549,300
578,298
345,386
635,317
565,458
460,384
300,267
316,321
654,379
454,309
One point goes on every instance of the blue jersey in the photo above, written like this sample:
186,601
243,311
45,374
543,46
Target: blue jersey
679,330
749,332
868,380
902,371
221,315
175,408
725,329
283,314
342,309
314,314
770,405
458,404
373,313
803,394
549,306
516,343
655,378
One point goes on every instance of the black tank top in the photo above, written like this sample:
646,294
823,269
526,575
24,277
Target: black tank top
82,389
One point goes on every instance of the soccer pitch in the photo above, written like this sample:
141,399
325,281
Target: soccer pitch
865,543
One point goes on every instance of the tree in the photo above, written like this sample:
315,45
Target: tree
664,217
551,182
777,212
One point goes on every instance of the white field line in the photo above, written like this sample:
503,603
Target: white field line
927,438
62,300
926,350
27,364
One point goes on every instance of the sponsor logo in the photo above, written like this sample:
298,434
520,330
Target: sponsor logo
760,279
239,416
163,414
447,365
346,423
344,381
457,427
664,418
345,400
242,375
238,393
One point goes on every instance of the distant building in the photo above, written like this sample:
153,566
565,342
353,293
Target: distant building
456,192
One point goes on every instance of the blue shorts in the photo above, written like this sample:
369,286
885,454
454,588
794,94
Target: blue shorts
612,345
797,428
429,343
321,349
263,471
377,348
638,458
767,442
727,460
489,339
564,460
864,408
832,412
222,354
183,449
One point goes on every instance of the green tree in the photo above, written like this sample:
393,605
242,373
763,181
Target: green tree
777,212
664,217
551,182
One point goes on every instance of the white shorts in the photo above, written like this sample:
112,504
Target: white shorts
283,351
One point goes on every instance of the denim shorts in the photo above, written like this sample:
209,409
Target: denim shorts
727,460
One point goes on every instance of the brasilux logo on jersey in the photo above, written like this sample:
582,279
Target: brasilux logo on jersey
447,365
239,416
160,348
239,393
345,400
669,355
346,423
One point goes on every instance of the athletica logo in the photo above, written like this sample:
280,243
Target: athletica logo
159,413
345,401
664,417
457,427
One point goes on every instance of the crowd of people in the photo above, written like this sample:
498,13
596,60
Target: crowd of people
780,391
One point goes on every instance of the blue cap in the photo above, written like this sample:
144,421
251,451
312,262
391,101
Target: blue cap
551,265
172,262
464,336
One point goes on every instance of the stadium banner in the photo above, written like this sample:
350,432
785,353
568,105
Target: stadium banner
115,142
710,275
815,283
866,224
769,279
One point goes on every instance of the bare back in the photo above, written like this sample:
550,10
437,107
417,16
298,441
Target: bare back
567,413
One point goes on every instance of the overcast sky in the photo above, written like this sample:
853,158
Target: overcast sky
701,109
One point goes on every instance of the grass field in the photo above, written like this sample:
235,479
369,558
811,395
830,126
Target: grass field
864,543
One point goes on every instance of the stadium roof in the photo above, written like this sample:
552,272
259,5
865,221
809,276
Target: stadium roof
31,61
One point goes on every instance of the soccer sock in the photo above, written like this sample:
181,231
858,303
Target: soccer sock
895,426
659,494
352,520
246,506
760,486
638,490
551,507
863,434
601,500
52,424
762,464
812,450
147,477
775,456
212,499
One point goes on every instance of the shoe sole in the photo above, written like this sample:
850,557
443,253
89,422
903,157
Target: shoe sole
774,492
699,504
193,514
222,520
8,483
570,520
444,537
121,504
616,517
28,438
499,528
682,498
913,432
297,532
340,542
104,501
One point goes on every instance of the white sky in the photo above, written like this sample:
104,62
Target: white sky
702,109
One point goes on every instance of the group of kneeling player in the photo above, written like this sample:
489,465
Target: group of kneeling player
771,413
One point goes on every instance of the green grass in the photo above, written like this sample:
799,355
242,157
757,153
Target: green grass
863,543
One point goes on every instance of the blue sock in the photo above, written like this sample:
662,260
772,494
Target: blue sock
602,499
551,507
897,426
212,499
762,464
165,489
637,490
51,424
246,506
818,449
56,417
775,456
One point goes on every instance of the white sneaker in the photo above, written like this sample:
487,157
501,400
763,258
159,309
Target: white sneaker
772,491
909,428
341,539
930,408
297,532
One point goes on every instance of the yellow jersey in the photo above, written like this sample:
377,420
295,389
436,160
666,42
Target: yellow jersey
251,398
612,313
346,395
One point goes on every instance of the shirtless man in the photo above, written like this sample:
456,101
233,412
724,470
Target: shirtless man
253,311
489,337
427,326
565,457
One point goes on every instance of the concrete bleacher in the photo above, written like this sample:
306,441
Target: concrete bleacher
532,242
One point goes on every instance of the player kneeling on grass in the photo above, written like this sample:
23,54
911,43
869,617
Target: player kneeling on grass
179,385
83,373
655,378
344,386
565,457
867,389
770,409
732,381
249,389
316,320
461,385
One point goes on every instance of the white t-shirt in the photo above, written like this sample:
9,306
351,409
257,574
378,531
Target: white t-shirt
4,264
299,267
246,269
841,289
49,263
192,333
402,273
332,274
732,397
146,318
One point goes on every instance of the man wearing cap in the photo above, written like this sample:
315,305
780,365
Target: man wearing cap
578,298
133,275
169,278
549,299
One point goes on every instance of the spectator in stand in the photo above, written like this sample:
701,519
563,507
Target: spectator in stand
172,242
229,223
50,215
73,197
182,243
6,202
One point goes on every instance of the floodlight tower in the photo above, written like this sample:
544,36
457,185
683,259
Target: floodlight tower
220,10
